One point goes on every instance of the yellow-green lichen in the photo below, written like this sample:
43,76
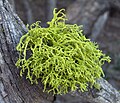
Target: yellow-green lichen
60,56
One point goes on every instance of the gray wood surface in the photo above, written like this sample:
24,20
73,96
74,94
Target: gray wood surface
14,89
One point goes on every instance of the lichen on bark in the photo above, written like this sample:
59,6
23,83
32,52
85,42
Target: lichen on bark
61,56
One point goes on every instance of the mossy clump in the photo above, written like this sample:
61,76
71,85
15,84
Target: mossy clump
60,56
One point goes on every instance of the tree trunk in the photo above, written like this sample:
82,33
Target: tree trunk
13,88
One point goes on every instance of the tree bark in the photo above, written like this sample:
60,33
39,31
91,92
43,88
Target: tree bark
13,88
106,94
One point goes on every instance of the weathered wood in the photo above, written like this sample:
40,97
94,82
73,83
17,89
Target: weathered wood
13,88
107,94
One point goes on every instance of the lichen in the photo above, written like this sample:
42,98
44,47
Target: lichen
60,56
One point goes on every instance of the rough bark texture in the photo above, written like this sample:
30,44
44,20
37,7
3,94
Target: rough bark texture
107,94
14,89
